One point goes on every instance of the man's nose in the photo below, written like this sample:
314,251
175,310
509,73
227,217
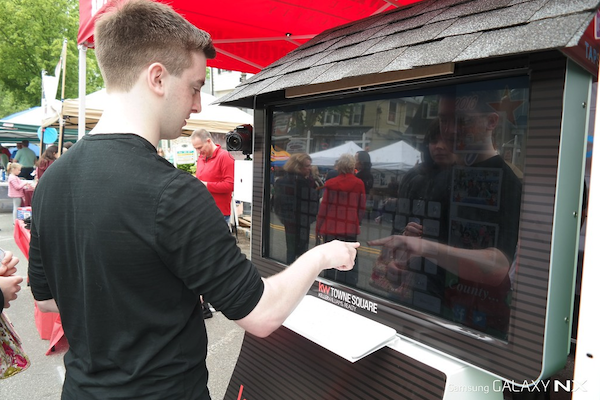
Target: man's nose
197,104
439,144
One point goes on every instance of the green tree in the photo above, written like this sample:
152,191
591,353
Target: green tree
31,38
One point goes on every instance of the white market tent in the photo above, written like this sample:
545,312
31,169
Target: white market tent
396,156
327,158
213,118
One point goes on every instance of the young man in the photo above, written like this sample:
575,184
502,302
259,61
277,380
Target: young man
112,244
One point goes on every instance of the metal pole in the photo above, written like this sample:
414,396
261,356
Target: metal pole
61,122
82,90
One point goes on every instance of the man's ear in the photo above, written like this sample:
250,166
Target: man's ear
492,121
155,77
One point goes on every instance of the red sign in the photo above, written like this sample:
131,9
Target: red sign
587,51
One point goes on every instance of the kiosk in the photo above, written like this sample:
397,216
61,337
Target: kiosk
464,281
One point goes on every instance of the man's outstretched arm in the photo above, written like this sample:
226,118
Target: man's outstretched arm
284,291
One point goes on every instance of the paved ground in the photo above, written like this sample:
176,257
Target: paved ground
43,380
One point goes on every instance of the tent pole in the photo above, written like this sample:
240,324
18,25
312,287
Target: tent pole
45,108
82,90
61,123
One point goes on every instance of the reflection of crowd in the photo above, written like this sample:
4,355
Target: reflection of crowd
298,193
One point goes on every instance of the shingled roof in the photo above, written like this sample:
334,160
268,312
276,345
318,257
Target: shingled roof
429,33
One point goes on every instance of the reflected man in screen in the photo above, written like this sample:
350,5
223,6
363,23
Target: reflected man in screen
421,209
483,219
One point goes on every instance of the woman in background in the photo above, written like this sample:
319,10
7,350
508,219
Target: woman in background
363,170
341,211
47,158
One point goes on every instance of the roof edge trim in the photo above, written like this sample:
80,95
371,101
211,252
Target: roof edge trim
358,82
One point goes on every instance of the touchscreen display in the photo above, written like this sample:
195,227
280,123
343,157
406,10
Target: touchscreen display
428,182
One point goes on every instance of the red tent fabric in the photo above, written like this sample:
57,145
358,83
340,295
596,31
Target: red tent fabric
251,34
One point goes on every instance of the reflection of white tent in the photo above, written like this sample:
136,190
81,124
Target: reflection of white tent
213,118
327,158
396,156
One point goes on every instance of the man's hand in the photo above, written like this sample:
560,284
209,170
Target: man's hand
8,265
10,285
413,229
337,254
399,248
283,291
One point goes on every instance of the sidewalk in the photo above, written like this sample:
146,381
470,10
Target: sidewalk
43,380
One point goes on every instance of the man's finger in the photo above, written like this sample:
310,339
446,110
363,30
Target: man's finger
380,241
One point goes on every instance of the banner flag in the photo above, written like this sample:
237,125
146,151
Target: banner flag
50,104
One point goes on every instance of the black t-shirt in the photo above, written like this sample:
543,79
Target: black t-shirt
495,206
126,243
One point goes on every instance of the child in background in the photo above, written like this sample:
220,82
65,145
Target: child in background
15,186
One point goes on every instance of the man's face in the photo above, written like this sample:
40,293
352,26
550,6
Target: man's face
306,168
462,124
203,148
182,97
441,151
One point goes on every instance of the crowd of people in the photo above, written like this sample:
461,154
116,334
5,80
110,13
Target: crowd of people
337,205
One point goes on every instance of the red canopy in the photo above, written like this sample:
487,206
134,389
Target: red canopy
251,34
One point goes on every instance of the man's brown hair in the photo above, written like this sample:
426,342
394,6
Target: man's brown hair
132,34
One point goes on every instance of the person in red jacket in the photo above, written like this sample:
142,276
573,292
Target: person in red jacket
341,211
214,168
